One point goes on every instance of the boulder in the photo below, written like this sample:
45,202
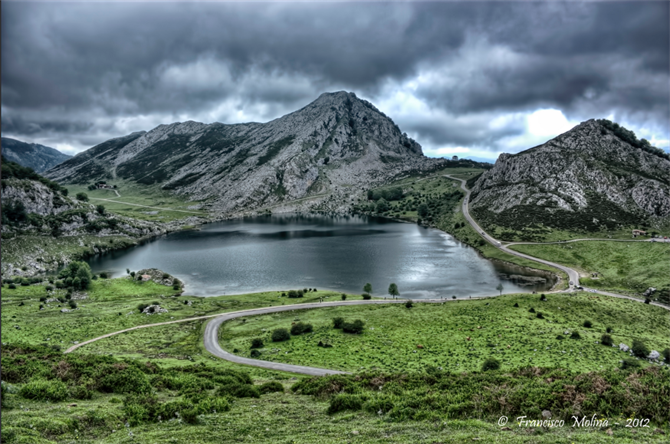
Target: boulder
654,355
154,309
648,292
623,347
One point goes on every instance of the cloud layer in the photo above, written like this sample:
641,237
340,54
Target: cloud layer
458,77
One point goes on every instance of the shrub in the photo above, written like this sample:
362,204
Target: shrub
608,330
588,324
11,286
606,340
166,276
82,197
42,390
575,335
345,402
532,310
366,296
127,380
353,327
539,315
516,305
141,307
72,304
543,297
255,353
647,300
103,275
43,299
344,297
239,391
294,294
49,288
490,364
666,355
80,392
560,337
280,334
409,304
175,287
300,328
256,343
338,322
25,282
640,349
630,363
271,387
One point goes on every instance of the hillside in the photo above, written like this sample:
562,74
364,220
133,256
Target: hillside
595,177
331,150
40,224
38,157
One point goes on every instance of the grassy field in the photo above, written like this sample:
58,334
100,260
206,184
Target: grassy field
277,417
495,328
132,193
629,267
548,234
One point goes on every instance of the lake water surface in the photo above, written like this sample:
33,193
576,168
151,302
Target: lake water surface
338,253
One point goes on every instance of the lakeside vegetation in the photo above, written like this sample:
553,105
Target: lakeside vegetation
93,395
458,336
628,267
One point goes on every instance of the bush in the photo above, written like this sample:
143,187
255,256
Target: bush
11,286
255,353
72,304
543,297
539,315
271,387
82,197
606,340
588,324
103,275
345,402
49,288
239,391
43,299
80,392
127,380
295,294
575,335
560,337
280,334
666,355
344,297
25,282
532,310
409,304
608,330
141,307
630,363
256,343
516,305
640,349
353,327
647,300
42,390
338,322
366,296
490,364
300,328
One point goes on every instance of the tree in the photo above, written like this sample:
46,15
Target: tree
422,211
344,297
640,349
280,334
382,205
606,340
337,322
82,197
100,209
367,288
256,343
393,290
500,288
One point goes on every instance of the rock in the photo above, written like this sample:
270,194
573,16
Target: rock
623,347
546,414
156,276
648,292
654,355
154,309
65,310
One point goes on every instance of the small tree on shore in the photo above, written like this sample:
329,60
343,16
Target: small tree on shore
500,288
393,290
367,288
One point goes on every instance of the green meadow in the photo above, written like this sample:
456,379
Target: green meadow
629,267
459,335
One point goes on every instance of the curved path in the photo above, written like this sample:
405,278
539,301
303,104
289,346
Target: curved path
573,275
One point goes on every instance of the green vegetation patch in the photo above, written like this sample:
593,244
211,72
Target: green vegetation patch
620,266
459,336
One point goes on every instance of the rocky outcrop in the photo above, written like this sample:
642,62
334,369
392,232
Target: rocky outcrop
587,178
329,152
158,276
36,197
32,155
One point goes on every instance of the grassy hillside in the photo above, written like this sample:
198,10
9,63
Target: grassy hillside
629,267
495,328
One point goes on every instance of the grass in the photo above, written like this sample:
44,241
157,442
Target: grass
393,333
548,234
133,193
629,267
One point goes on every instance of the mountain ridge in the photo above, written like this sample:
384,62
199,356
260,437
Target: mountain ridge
336,146
32,155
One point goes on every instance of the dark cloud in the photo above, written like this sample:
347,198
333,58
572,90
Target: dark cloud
83,72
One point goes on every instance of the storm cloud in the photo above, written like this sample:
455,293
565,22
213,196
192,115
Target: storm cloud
458,77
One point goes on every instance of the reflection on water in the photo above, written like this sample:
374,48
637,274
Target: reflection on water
338,253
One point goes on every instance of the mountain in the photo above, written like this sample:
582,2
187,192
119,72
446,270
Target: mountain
330,151
595,176
38,157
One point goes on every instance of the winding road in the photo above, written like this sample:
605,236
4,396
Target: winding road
211,342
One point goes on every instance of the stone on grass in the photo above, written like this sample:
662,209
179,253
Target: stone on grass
154,309
623,347
654,355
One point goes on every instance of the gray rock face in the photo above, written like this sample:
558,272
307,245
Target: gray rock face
654,355
333,148
623,347
154,309
587,177
35,196
32,155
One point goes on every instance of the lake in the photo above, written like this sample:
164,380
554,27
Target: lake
285,252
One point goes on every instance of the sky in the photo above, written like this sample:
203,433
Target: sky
472,79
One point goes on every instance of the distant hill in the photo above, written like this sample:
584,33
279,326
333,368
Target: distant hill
331,151
38,157
595,176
